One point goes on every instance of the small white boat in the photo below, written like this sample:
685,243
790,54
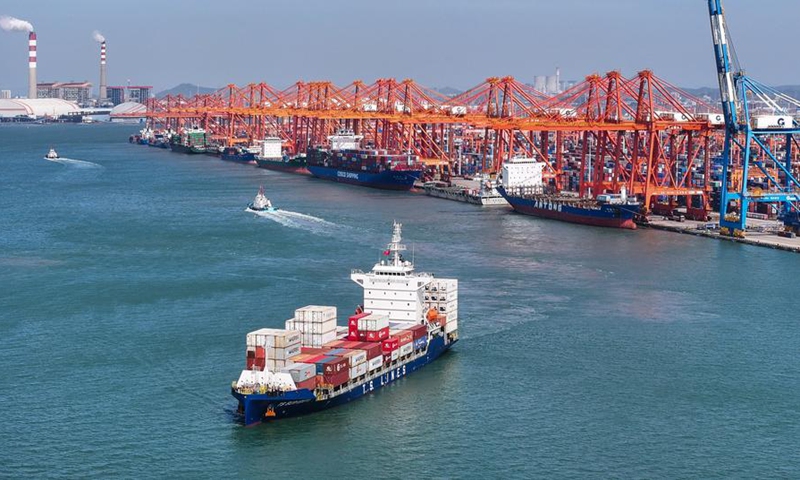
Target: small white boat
51,155
261,203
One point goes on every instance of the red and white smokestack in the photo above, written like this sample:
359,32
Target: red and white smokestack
32,65
103,93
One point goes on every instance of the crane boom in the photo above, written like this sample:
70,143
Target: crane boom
727,89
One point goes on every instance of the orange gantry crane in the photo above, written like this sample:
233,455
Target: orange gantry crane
603,134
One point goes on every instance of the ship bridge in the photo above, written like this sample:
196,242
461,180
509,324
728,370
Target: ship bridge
393,288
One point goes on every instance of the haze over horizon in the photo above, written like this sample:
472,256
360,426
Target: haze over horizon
451,43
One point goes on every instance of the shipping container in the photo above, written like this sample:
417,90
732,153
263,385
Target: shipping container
390,344
335,352
310,384
273,337
358,370
353,320
335,379
375,363
373,322
300,371
356,357
377,335
313,350
261,352
315,314
332,365
406,349
403,336
284,353
419,331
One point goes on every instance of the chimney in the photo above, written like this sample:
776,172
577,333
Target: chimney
32,65
103,93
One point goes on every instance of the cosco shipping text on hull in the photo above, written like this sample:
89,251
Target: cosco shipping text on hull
387,180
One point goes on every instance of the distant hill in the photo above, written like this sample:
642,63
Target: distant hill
187,90
449,91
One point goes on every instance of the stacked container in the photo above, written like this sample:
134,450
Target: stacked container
316,323
368,327
271,348
391,349
303,374
334,371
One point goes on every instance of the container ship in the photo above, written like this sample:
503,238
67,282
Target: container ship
313,364
239,154
192,140
345,162
271,157
522,186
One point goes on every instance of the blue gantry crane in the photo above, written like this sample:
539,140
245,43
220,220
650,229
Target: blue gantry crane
758,133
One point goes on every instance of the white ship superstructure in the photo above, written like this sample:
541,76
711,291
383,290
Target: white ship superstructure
395,289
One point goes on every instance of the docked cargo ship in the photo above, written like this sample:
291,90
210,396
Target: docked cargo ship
313,364
271,157
346,162
192,140
523,188
239,154
480,191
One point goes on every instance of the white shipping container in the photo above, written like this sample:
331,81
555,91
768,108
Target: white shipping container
301,371
406,349
358,370
772,122
395,354
277,365
373,322
375,363
309,327
318,340
273,337
315,314
451,326
284,353
358,358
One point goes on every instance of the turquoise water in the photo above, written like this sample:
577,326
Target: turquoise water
127,285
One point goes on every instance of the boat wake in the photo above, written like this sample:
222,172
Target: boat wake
74,162
300,221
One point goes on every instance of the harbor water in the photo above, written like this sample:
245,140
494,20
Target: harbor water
130,275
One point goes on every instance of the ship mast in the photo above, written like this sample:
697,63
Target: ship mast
395,247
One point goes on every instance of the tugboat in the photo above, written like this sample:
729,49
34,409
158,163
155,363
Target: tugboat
261,203
51,155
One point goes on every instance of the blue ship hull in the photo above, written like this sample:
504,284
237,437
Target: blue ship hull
606,215
386,180
300,402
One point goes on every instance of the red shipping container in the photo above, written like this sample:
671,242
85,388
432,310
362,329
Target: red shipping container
353,345
404,337
313,350
419,331
373,349
390,344
362,335
251,362
352,332
378,335
336,344
310,384
259,363
260,352
336,378
312,359
353,320
335,366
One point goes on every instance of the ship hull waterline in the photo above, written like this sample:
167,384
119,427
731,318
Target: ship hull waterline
253,407
387,180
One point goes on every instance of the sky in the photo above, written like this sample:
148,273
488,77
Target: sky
438,43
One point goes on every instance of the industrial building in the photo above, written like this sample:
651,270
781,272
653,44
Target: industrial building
138,94
79,92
